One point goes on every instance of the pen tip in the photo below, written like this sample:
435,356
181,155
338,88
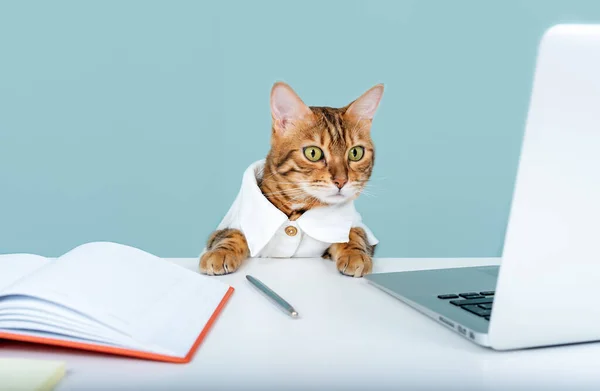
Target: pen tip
294,314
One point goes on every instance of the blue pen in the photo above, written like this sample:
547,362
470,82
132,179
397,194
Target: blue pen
274,297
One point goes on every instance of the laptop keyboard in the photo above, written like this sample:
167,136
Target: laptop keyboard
478,303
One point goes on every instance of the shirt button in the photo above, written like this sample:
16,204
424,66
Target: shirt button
291,231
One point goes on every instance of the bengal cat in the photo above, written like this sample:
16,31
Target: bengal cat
319,156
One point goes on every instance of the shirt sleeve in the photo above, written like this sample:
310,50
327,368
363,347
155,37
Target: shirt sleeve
230,220
358,223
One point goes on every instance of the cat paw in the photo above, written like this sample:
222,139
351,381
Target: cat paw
354,263
219,262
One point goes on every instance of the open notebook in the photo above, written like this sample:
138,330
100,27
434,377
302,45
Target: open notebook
109,298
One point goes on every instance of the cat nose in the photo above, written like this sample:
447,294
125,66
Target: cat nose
340,182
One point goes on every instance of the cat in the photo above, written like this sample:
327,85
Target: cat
320,160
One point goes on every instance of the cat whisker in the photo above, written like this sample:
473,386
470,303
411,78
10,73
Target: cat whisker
370,190
367,184
312,203
286,192
292,200
287,183
270,176
279,179
377,178
367,193
286,195
363,181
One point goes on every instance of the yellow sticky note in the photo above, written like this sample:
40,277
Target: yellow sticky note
18,374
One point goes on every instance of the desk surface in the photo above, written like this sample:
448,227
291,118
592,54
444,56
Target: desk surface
350,336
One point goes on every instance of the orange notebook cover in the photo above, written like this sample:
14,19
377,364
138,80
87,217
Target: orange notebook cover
121,351
109,298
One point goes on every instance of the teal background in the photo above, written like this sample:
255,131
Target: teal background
133,121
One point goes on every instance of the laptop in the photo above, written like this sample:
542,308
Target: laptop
546,288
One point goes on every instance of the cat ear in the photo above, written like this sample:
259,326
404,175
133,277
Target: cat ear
366,105
286,106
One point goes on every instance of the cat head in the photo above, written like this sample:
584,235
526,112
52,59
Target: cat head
323,153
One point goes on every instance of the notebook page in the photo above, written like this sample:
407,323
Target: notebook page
24,324
16,266
17,305
37,313
130,290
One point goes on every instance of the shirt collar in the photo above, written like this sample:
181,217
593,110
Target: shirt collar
260,219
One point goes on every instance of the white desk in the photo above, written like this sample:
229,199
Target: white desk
350,336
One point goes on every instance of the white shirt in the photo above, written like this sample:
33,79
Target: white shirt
268,230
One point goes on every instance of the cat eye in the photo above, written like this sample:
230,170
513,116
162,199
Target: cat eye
356,153
314,154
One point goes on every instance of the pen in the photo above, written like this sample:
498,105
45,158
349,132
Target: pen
273,296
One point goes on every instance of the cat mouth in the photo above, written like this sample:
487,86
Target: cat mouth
330,196
336,198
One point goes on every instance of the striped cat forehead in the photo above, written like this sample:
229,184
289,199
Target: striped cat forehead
331,126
